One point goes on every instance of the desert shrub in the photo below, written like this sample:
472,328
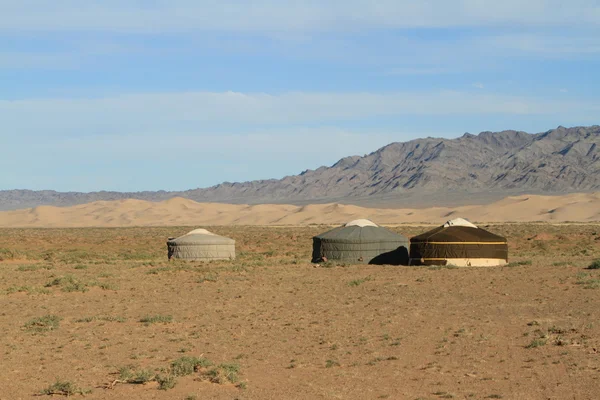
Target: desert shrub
536,343
166,382
8,254
153,319
64,388
68,283
223,373
188,365
43,324
34,267
139,377
594,265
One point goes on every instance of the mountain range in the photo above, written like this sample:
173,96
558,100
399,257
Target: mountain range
471,169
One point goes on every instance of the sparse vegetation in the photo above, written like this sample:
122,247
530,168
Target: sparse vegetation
155,319
537,343
286,314
46,323
223,373
587,281
27,289
358,282
102,318
519,263
129,374
188,365
63,388
208,278
594,265
166,382
68,283
34,267
444,395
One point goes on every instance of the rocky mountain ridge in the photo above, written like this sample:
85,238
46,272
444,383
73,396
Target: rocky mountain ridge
429,171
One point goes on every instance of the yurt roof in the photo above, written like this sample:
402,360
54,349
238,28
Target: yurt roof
459,222
200,237
458,232
361,231
361,223
200,231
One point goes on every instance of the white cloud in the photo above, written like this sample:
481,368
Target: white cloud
548,45
277,16
16,60
478,85
169,113
419,70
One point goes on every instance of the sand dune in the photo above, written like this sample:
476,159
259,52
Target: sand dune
178,211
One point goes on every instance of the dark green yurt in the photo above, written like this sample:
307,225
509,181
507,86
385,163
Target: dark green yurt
361,242
201,245
460,243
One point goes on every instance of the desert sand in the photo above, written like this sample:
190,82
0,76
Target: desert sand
579,207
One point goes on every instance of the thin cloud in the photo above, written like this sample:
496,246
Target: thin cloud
275,16
416,70
547,45
189,111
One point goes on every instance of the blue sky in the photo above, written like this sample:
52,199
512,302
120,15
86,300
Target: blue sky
177,94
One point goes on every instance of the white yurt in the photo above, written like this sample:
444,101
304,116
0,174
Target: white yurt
201,245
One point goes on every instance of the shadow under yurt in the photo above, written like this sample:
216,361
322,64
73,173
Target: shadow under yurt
361,242
460,243
201,245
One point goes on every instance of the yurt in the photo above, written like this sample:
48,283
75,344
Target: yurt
363,242
202,245
461,243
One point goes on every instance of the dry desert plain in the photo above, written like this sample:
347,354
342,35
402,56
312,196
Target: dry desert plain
102,311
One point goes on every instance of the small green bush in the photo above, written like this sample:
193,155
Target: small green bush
139,377
224,373
188,365
166,382
153,319
68,283
594,265
63,388
536,343
43,324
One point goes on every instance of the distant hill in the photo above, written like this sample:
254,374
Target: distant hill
422,172
577,207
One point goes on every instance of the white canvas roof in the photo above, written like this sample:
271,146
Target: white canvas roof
459,222
361,223
200,232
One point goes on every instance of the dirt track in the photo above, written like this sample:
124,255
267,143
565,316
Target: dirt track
299,331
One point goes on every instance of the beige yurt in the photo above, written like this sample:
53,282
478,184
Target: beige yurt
201,245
